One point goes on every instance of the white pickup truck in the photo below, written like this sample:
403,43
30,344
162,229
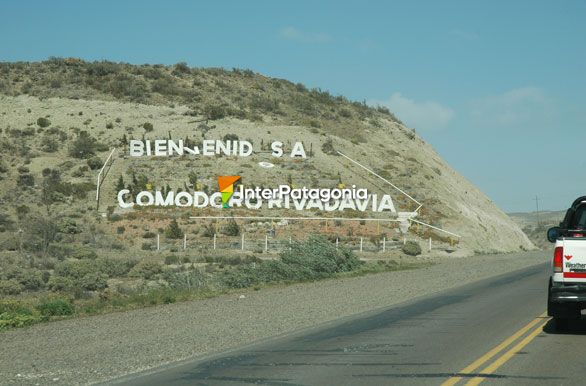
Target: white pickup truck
567,284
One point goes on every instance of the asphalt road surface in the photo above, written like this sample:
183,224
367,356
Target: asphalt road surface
493,332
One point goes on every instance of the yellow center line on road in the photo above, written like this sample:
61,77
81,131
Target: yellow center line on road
489,355
508,355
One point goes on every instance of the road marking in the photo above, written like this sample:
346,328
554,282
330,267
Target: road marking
508,355
489,355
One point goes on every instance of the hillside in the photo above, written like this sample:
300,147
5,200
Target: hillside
60,118
537,231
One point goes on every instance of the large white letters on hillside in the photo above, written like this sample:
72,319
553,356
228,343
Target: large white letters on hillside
208,147
284,196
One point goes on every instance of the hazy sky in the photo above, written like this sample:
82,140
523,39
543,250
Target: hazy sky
497,87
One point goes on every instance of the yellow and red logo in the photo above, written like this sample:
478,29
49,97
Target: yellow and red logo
226,186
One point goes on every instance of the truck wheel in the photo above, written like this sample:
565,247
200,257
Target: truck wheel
561,324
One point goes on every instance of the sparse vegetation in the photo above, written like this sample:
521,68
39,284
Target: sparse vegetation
412,248
43,122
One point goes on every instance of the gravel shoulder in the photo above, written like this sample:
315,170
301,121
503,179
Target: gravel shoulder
98,348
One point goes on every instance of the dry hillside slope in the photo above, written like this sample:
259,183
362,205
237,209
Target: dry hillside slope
99,106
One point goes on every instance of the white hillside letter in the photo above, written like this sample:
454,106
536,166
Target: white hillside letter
298,150
277,147
136,148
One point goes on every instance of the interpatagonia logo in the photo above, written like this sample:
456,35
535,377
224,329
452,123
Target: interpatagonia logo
226,186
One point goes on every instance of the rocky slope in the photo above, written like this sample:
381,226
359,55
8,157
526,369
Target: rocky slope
113,103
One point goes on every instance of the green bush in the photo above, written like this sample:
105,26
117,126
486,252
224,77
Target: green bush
93,281
77,270
231,229
146,269
321,256
60,283
314,259
328,147
43,122
186,280
214,112
55,307
15,314
84,146
95,163
30,279
173,231
10,287
411,248
69,226
49,145
83,252
148,127
171,259
25,180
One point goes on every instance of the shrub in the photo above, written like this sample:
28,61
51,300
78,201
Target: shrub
120,230
411,248
110,125
84,146
148,127
149,235
214,112
55,307
25,180
14,314
173,231
186,280
320,256
93,281
49,145
95,163
314,259
43,122
231,229
171,259
30,279
10,287
60,283
83,252
328,147
145,269
69,226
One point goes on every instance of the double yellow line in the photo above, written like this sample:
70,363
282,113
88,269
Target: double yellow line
536,326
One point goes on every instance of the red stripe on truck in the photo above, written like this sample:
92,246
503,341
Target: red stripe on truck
576,275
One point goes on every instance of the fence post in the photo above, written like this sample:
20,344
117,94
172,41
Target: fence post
360,244
430,244
266,243
184,241
289,242
337,242
214,241
404,240
384,243
158,242
242,243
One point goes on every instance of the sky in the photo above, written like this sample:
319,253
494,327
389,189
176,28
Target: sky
498,88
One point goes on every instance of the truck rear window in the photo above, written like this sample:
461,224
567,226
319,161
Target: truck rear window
579,218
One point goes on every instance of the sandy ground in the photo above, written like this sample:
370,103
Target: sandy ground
93,349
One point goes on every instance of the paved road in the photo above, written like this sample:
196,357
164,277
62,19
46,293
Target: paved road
495,328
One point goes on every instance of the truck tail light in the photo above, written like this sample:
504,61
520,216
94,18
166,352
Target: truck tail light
558,259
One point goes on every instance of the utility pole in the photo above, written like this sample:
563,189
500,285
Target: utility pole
537,210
